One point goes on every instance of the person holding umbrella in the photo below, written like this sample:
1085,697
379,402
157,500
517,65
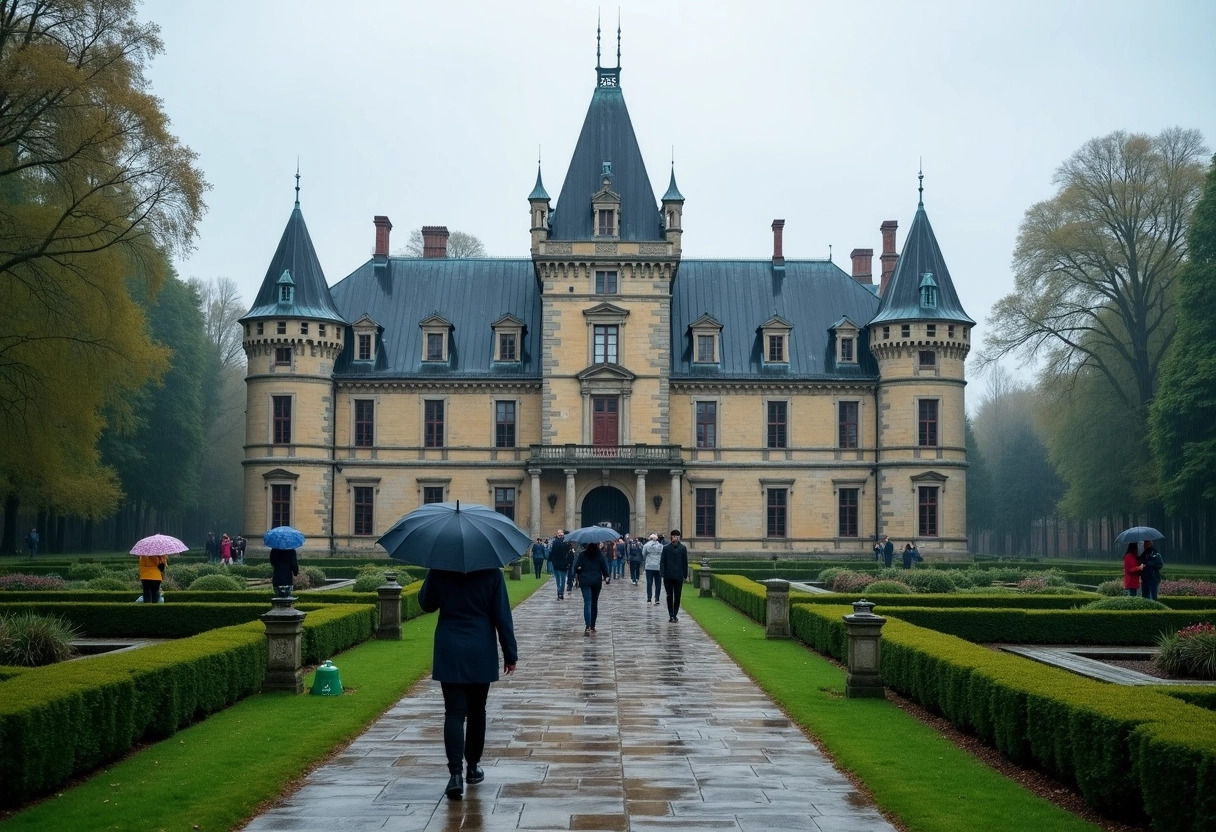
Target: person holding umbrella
1150,578
1131,570
592,569
284,566
153,552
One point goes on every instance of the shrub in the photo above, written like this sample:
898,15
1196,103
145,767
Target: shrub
1188,587
1189,652
86,571
107,583
25,583
29,640
846,581
961,579
182,575
889,588
1124,602
1111,588
828,576
930,581
217,583
368,580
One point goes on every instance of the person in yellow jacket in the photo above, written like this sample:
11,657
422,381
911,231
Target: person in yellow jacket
151,573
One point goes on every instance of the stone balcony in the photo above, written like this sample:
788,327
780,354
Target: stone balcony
605,456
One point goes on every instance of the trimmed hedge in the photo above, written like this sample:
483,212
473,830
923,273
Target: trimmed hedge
744,594
330,630
1139,627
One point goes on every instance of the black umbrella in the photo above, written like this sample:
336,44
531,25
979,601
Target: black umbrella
592,534
455,537
1137,533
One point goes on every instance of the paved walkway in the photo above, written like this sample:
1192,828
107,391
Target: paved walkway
646,725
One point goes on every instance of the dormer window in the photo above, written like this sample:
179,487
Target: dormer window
436,332
287,288
847,334
508,337
706,340
928,290
365,338
606,206
775,334
605,224
846,351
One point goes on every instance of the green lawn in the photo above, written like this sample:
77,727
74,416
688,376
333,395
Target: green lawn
914,773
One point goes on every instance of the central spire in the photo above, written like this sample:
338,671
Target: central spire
608,76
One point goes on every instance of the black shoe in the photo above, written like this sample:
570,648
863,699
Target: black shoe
675,618
455,789
474,775
586,631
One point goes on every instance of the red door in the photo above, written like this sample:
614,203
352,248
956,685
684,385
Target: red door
604,435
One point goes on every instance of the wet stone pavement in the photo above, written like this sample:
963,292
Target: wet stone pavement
645,725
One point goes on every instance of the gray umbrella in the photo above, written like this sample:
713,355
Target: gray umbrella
592,534
1137,533
456,537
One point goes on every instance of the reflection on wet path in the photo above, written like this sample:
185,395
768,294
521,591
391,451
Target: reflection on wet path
646,725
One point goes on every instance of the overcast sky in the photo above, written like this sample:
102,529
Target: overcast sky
814,112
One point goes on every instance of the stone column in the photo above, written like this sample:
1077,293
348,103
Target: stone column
390,608
639,530
864,629
284,638
673,517
535,497
570,524
777,613
706,578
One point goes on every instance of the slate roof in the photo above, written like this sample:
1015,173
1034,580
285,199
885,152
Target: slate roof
310,298
742,294
920,255
607,136
472,294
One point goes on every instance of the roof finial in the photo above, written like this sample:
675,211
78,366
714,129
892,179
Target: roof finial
297,181
618,37
597,38
920,189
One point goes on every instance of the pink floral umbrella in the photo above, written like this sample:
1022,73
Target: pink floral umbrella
159,544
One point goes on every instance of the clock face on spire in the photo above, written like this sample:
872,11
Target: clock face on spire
608,81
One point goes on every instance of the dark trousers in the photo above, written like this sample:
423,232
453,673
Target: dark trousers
653,579
674,587
635,569
1149,585
591,603
151,591
537,565
464,702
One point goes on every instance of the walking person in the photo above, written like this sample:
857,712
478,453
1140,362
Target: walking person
538,557
560,557
238,549
673,566
1150,578
1131,570
908,555
31,543
635,560
284,566
888,552
213,548
474,612
621,554
151,573
651,553
592,570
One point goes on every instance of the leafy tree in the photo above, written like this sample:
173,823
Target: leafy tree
1183,418
979,488
460,244
93,191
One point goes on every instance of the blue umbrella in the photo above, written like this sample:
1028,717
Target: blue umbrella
1137,533
593,534
456,537
283,537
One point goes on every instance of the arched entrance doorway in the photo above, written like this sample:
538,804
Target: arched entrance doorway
606,505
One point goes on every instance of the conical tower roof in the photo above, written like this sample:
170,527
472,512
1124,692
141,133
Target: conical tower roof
297,259
673,193
607,136
921,256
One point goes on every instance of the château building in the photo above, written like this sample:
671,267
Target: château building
765,406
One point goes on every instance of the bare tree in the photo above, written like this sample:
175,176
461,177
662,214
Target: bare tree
460,244
222,307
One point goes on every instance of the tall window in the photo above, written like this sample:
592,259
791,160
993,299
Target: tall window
927,511
927,423
504,424
707,512
606,344
776,349
432,494
434,346
705,350
282,356
282,420
504,501
507,348
605,283
777,424
707,424
778,499
363,510
605,222
847,500
846,351
433,424
365,415
848,424
280,505
365,346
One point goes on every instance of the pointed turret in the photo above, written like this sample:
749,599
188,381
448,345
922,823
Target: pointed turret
607,144
673,212
296,259
538,203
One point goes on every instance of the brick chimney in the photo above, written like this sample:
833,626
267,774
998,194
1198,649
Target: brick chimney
434,241
383,227
778,257
863,265
888,258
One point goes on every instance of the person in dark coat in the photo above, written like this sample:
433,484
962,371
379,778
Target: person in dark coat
888,552
1150,578
592,569
474,612
560,557
213,548
538,557
31,543
673,566
283,567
